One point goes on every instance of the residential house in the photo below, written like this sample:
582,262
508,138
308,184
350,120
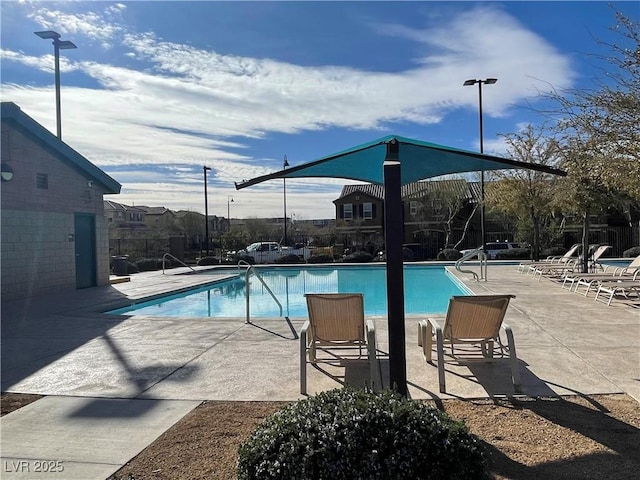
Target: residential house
160,218
54,232
434,213
123,216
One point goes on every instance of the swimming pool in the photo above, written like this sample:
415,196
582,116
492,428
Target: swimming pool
427,290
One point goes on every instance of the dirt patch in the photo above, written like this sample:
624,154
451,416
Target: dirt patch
553,438
10,402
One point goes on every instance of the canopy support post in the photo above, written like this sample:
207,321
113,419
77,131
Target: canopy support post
393,236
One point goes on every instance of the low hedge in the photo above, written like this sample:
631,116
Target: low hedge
358,257
449,254
347,434
204,261
289,259
513,254
631,253
150,264
320,259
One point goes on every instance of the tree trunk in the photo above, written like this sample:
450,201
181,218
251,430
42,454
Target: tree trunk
536,234
585,241
466,227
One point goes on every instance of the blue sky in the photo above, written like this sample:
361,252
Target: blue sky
156,90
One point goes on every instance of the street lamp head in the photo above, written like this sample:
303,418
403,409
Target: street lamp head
48,34
469,82
66,45
205,168
490,81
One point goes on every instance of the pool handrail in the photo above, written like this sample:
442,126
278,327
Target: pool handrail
251,268
482,256
177,259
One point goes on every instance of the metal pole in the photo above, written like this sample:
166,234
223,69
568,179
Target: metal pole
284,191
393,233
56,54
482,211
206,212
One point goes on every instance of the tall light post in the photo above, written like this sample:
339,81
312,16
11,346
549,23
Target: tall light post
206,211
285,164
467,83
57,46
229,201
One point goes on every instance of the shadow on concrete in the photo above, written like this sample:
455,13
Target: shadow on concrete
294,334
495,378
39,330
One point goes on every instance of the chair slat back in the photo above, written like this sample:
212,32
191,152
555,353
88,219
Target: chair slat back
336,316
475,316
569,254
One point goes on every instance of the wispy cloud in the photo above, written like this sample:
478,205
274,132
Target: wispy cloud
174,103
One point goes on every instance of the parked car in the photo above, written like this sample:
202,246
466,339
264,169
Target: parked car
493,248
269,252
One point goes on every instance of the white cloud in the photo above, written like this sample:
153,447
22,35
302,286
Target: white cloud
195,107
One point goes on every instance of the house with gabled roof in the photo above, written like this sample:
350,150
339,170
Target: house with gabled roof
360,214
54,232
124,216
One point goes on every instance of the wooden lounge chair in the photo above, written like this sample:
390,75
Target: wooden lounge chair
529,267
475,321
336,324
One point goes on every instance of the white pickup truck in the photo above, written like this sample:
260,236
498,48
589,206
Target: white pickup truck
269,252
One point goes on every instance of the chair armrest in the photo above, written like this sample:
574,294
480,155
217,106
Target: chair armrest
375,375
306,327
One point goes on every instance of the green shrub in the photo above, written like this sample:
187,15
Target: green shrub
291,258
208,261
150,264
513,254
356,434
449,254
358,257
132,268
320,259
631,253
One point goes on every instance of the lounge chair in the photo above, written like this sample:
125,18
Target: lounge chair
476,321
621,288
529,267
336,323
609,273
572,266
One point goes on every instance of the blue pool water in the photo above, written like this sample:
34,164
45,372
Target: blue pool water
427,290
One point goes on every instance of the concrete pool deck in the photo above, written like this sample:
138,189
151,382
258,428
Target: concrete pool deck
115,383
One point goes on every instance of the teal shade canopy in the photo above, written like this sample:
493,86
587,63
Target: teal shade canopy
394,161
418,160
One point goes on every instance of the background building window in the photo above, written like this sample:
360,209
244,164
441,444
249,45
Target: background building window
413,208
348,211
367,211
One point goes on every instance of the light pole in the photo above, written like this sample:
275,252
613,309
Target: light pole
284,191
467,83
57,46
206,211
229,200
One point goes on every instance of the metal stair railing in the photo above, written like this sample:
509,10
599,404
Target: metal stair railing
251,269
482,256
176,259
